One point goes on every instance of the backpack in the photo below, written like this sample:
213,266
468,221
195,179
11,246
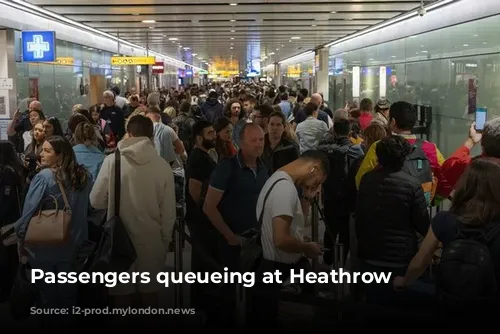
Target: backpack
185,124
466,272
418,165
341,159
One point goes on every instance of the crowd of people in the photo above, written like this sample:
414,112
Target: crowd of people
232,158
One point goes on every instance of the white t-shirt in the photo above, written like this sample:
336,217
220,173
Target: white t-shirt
283,200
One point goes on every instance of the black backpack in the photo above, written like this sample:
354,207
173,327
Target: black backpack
418,165
466,272
340,161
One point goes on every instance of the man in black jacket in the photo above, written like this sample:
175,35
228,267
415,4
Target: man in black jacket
113,115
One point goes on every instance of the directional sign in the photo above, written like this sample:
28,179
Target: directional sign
39,46
6,84
133,60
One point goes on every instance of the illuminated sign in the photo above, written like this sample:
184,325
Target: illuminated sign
64,61
133,60
203,72
39,46
158,68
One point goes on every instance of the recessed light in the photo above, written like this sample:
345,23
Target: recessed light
151,27
232,43
173,39
180,46
282,45
334,12
277,49
295,37
148,21
186,49
233,4
485,43
232,30
232,37
314,25
231,47
476,35
290,41
466,44
232,20
393,56
370,59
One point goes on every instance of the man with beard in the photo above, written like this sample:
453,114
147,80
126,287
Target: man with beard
199,169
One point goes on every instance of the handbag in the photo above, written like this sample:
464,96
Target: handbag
115,251
251,248
50,226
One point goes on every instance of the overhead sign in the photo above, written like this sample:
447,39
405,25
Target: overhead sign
64,61
203,72
133,60
39,46
7,84
158,68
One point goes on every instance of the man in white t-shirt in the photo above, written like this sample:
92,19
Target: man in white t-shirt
283,220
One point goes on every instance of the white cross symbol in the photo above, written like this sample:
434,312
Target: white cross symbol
38,47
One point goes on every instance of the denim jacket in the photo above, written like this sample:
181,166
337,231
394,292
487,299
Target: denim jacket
41,187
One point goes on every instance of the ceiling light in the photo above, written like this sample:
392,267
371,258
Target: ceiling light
295,37
180,46
485,43
290,41
232,37
232,43
393,56
334,12
148,21
282,45
194,54
151,27
173,39
186,49
476,35
370,59
314,25
232,20
231,47
466,44
233,4
271,54
164,35
277,49
232,30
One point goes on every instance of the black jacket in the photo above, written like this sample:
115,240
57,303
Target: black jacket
391,208
116,120
286,152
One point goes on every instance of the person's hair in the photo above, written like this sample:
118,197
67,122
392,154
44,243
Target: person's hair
404,115
249,98
319,157
304,92
265,110
76,119
221,124
355,113
491,138
170,111
341,113
140,126
116,90
366,104
284,97
477,196
134,97
355,127
153,100
58,131
85,134
9,158
95,108
153,110
69,172
341,127
227,107
108,93
199,127
373,133
280,115
392,152
185,107
39,112
87,115
310,108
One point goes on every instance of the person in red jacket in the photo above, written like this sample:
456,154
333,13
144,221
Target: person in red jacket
455,165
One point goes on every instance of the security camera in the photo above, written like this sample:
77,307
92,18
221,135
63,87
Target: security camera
421,11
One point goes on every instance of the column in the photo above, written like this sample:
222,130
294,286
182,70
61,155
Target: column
8,100
277,75
321,82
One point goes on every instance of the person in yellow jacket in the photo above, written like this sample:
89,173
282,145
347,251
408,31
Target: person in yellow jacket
402,119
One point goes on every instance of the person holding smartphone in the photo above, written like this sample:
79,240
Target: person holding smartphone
483,131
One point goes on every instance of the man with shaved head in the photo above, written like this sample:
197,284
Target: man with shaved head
317,99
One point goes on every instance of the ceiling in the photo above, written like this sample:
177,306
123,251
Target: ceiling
206,30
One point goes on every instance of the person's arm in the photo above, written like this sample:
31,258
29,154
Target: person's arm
198,173
218,186
369,163
99,195
420,261
168,207
32,202
282,238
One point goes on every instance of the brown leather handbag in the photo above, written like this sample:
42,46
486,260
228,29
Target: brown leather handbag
50,227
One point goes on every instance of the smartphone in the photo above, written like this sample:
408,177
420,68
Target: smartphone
481,116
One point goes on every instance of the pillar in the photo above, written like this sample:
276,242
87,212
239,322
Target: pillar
277,75
8,100
321,82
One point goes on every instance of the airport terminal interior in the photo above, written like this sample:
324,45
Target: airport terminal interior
255,135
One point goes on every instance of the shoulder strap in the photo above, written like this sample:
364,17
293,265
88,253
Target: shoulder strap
261,216
117,181
63,193
347,162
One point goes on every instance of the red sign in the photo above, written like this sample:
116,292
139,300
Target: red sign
158,68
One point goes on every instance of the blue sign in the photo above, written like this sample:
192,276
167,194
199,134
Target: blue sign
39,46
